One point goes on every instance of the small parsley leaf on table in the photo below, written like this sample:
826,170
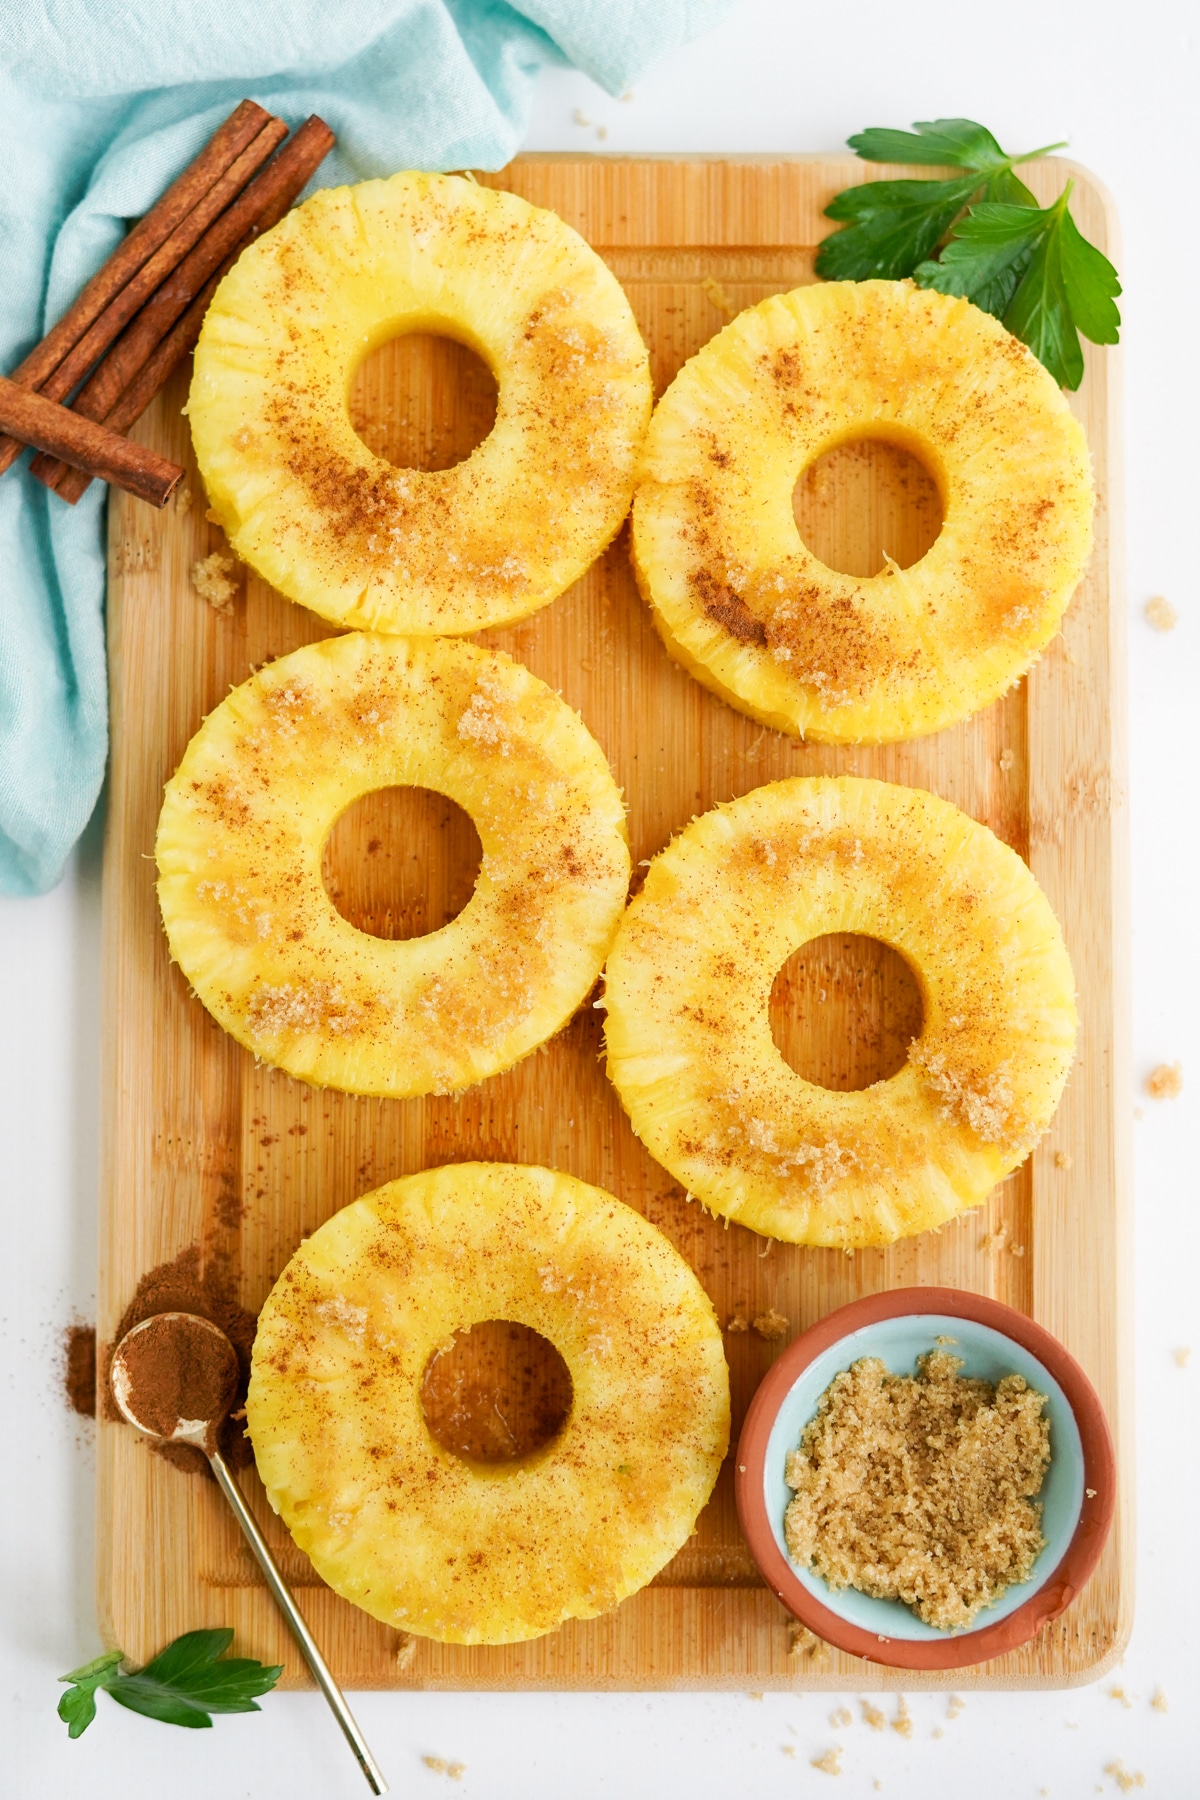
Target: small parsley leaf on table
981,235
183,1685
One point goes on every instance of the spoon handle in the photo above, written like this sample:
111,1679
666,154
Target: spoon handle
291,1612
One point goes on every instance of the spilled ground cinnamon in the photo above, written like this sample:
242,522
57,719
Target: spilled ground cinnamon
187,1285
79,1369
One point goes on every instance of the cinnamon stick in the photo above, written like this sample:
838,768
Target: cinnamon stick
33,419
261,205
134,295
226,143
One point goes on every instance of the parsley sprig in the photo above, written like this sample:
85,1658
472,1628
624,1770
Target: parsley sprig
183,1685
981,235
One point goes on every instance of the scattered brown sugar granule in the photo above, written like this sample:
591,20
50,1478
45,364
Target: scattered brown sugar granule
873,1715
406,1651
920,1488
1165,1082
903,1719
1007,760
738,1323
1183,1356
79,1369
840,1717
770,1324
440,1766
1161,614
805,1646
954,1706
718,296
1063,1159
831,1762
211,578
1158,1700
1126,1779
1118,1693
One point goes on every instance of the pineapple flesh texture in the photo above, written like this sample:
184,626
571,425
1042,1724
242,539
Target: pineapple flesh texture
243,827
744,605
487,1553
689,1040
338,529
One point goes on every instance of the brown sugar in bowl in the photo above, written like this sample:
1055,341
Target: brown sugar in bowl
1085,1500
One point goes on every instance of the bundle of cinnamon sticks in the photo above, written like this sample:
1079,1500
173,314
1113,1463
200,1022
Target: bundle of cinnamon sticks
141,314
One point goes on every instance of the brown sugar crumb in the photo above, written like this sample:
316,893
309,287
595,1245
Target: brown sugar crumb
805,1646
954,1706
1118,1693
770,1324
1165,1082
920,1488
439,1765
1126,1779
1182,1356
719,297
788,1749
212,580
903,1719
1158,1701
1007,759
406,1651
831,1762
738,1323
1161,614
1063,1159
872,1716
840,1717
995,1241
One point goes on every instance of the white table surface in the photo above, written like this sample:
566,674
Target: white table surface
1119,81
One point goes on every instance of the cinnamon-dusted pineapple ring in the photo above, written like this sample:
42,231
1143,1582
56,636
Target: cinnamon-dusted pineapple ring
689,1039
332,525
487,1553
244,824
744,604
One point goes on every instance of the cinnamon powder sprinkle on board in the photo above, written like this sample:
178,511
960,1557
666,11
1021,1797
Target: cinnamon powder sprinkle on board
920,1488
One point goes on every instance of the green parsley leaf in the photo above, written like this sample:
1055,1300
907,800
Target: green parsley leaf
981,235
949,142
891,226
183,1685
77,1707
987,256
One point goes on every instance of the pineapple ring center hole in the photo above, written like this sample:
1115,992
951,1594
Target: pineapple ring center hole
496,1393
422,401
401,862
865,501
844,1010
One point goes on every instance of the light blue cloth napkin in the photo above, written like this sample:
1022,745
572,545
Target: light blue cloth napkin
101,105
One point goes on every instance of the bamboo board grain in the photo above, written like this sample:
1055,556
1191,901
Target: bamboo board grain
202,1145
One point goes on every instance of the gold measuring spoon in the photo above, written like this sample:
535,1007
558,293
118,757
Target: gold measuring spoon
194,1363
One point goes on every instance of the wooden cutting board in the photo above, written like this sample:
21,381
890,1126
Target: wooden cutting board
203,1146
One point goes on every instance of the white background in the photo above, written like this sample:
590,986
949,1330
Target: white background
1119,81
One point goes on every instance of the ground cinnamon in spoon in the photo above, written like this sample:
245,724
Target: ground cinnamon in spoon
178,1372
190,1284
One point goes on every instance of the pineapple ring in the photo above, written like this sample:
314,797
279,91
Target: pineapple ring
244,823
487,1553
335,527
689,1039
747,608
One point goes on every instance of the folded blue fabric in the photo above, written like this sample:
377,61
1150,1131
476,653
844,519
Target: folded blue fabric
101,105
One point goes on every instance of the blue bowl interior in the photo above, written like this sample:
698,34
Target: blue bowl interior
984,1352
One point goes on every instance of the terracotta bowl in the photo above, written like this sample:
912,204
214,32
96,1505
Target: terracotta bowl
1078,1494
